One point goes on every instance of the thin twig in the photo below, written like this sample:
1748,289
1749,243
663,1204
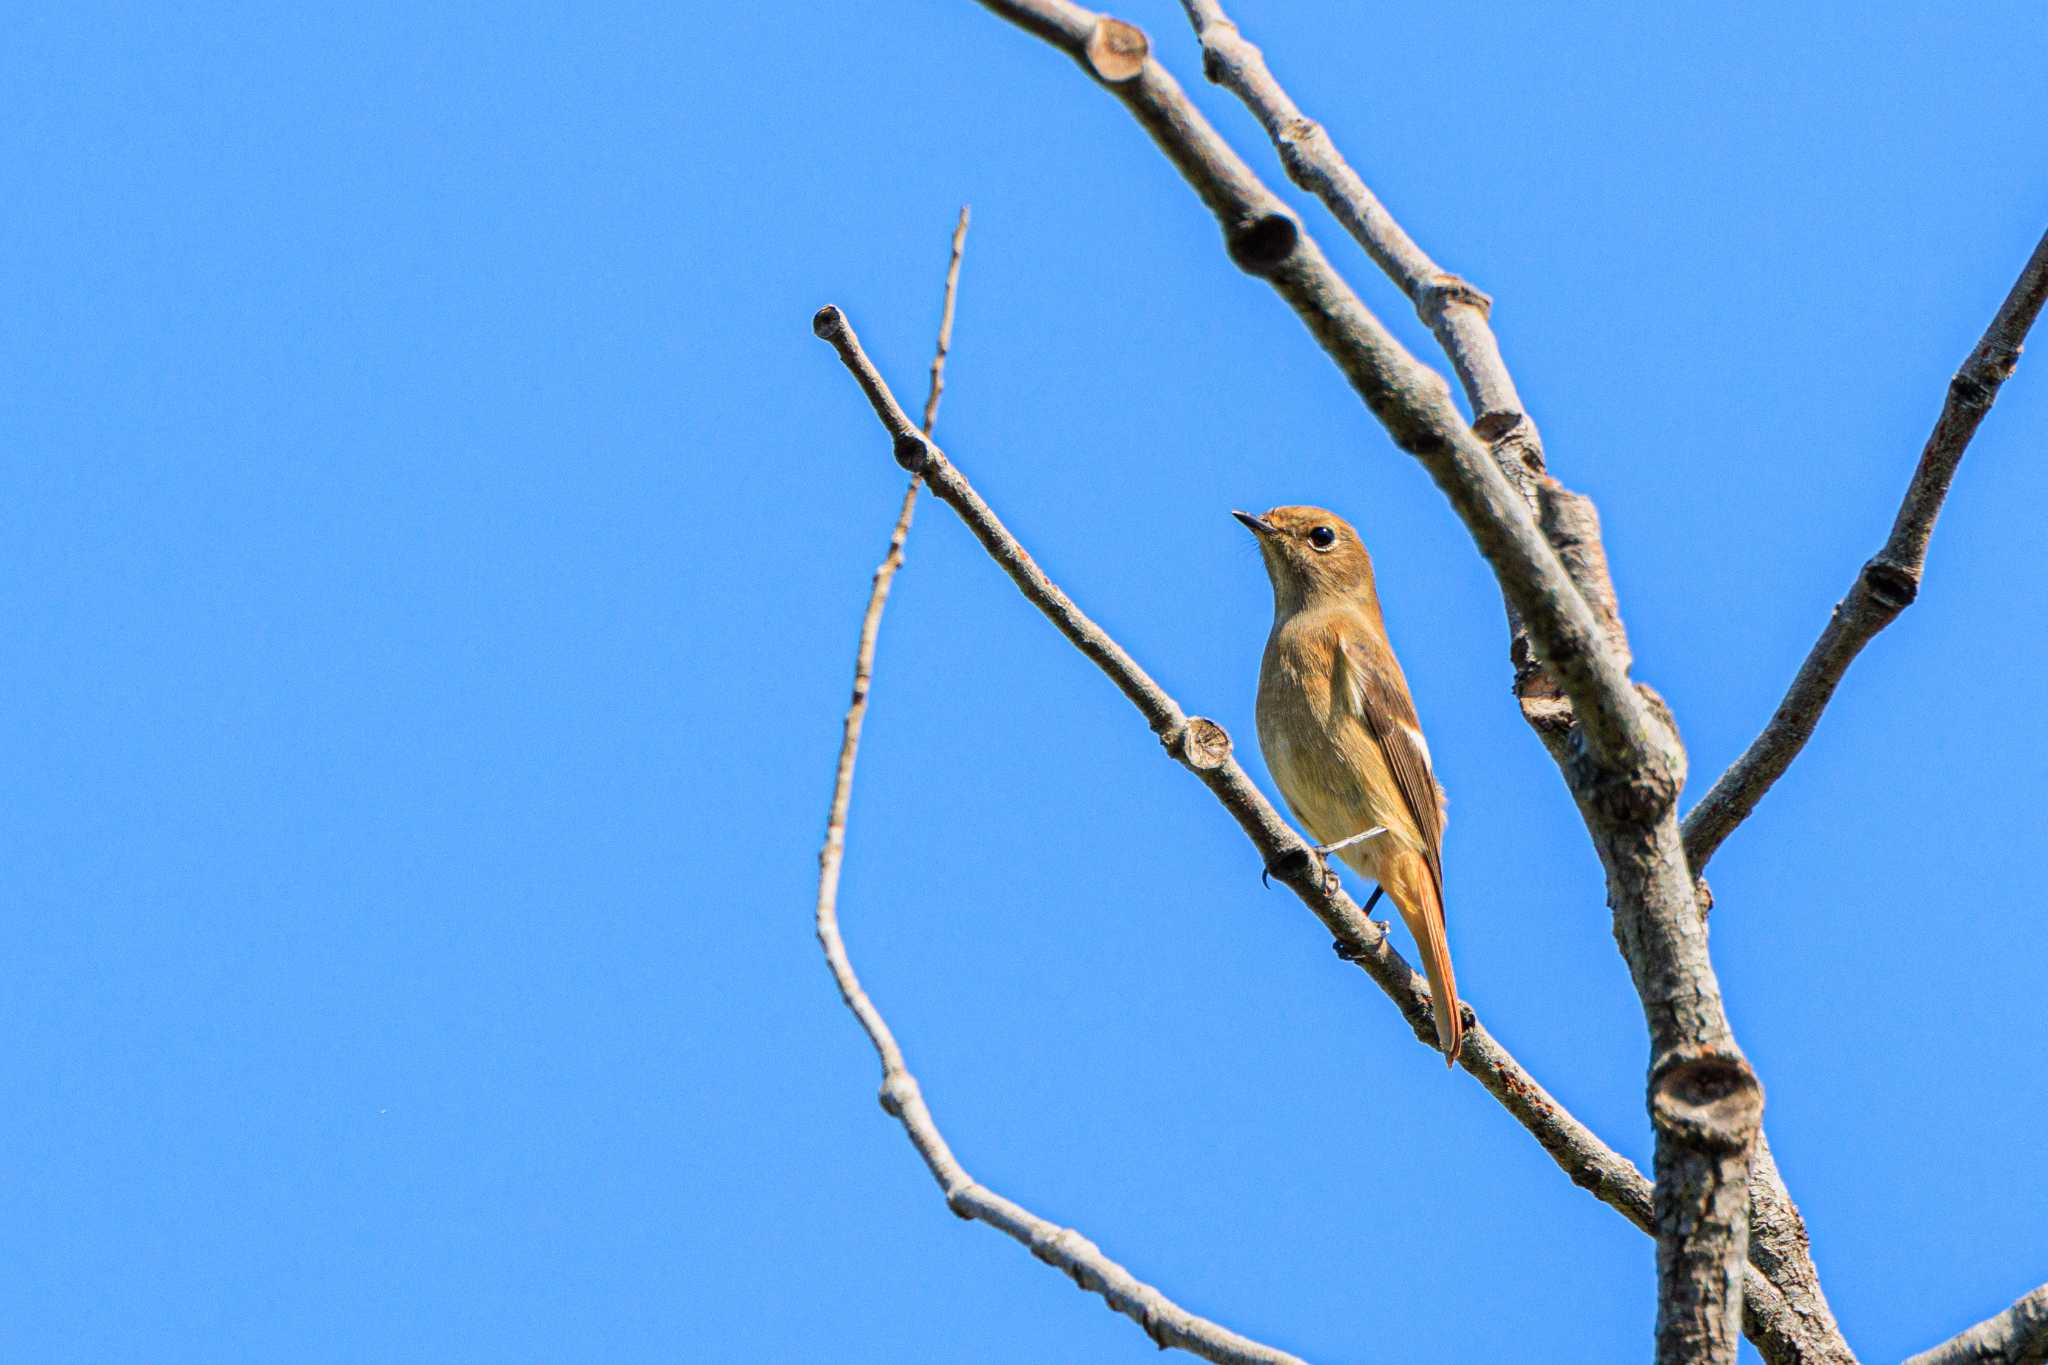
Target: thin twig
1886,585
1164,1321
1201,746
1452,308
938,382
2018,1336
833,855
1264,238
1458,314
1623,761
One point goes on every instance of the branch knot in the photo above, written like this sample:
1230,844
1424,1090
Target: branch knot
960,1199
1116,50
1063,1247
1893,585
1707,1098
1296,133
1496,426
1201,743
1213,35
913,452
1448,290
899,1092
1966,390
1636,795
1259,245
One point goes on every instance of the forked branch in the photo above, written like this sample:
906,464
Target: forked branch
1459,316
1411,401
1166,1322
1621,759
1202,747
1886,585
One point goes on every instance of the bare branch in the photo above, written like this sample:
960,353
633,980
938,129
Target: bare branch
1411,401
1164,1321
1202,746
1459,316
1886,585
1778,1244
833,855
1780,1335
1457,313
945,346
1622,759
1452,308
2018,1336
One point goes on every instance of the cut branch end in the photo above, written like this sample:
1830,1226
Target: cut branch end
1708,1098
1116,50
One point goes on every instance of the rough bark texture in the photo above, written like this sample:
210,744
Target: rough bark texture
1203,747
1732,1248
2018,1336
1454,310
1622,758
1778,1245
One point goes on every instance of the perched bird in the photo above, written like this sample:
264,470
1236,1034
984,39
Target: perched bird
1340,734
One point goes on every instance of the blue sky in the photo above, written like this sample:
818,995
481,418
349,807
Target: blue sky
434,548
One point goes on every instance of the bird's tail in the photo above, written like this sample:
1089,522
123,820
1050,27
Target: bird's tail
1422,907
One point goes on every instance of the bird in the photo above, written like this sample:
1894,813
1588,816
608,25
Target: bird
1340,735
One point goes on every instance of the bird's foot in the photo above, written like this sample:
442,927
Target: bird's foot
1326,850
1293,864
1289,864
1318,854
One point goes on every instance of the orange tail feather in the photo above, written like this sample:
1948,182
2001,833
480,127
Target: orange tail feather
1422,910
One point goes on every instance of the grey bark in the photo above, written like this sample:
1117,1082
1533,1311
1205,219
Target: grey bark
1886,585
1202,747
1731,1245
2018,1336
1621,759
1164,1321
1458,314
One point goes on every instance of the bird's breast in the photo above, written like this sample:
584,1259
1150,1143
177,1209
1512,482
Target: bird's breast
1326,764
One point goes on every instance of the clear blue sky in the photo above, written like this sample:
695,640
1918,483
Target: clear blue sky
433,544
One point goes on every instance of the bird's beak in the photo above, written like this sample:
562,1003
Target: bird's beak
1259,525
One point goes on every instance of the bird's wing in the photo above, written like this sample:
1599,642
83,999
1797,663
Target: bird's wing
1369,683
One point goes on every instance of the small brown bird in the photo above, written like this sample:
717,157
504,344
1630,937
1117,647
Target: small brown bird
1340,734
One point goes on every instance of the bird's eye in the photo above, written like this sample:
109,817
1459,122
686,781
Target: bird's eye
1322,537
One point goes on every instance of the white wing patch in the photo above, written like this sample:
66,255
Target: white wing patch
1421,744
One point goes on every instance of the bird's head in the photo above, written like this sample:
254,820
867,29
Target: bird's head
1312,556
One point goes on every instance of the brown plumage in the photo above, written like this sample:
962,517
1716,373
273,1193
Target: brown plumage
1340,734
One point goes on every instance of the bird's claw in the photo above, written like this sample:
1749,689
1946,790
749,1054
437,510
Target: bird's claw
1289,864
1319,856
